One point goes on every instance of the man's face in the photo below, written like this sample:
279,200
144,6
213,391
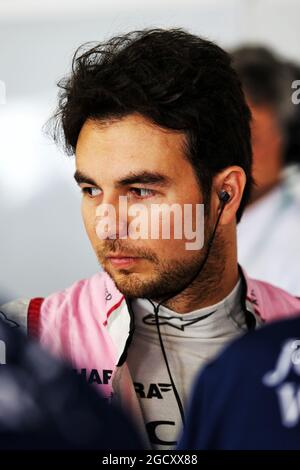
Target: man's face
131,157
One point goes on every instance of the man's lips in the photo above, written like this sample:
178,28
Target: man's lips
122,260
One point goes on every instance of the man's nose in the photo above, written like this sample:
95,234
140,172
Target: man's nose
110,221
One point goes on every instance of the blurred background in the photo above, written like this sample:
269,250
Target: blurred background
43,246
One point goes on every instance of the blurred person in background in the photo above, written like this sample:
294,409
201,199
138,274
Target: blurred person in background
255,404
157,117
269,233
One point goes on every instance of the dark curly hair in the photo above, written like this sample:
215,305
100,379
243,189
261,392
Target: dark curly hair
175,79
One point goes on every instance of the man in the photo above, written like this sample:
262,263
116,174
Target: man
271,253
155,117
255,404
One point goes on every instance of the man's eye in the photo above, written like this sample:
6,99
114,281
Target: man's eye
91,191
142,192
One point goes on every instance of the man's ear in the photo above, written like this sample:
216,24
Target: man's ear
232,180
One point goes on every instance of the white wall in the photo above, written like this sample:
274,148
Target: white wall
43,246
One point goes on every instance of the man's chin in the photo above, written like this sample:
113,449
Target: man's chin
127,281
131,284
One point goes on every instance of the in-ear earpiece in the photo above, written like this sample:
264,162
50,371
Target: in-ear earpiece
224,196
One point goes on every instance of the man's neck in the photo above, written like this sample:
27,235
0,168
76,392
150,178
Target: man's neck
205,291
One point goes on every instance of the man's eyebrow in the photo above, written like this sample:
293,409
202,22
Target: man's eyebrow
144,177
82,178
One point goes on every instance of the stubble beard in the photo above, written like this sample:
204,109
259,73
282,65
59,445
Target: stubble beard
168,278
